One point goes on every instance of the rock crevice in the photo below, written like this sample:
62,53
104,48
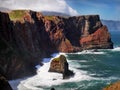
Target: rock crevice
60,65
27,36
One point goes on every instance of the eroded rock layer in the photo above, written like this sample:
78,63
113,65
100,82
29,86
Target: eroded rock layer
60,65
26,37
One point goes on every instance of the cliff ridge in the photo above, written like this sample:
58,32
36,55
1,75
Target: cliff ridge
27,36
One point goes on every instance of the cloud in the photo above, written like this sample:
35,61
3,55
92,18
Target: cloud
39,5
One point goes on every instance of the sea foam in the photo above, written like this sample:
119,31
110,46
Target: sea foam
116,49
48,79
89,52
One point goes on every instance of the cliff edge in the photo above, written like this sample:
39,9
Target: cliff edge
27,36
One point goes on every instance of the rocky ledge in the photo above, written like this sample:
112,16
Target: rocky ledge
26,37
4,85
60,65
114,86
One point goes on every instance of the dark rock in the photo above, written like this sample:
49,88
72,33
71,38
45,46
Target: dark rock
4,85
26,39
52,88
60,65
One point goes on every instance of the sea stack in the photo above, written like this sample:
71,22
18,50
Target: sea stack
60,65
26,37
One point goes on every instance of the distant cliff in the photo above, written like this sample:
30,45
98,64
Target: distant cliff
26,37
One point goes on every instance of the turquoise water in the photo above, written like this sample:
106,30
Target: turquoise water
115,35
103,68
93,71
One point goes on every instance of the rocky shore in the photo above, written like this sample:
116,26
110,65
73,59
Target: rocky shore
60,65
26,37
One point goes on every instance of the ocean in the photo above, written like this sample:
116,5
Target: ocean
93,71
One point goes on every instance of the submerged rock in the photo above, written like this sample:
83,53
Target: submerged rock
60,65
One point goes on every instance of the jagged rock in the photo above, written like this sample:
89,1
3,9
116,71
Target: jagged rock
100,39
27,36
114,86
4,85
60,65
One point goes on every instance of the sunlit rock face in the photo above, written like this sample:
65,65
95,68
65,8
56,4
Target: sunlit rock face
60,65
113,86
26,37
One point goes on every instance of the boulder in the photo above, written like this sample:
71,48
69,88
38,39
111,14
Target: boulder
4,85
114,86
60,65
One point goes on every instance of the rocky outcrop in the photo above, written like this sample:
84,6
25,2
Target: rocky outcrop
60,65
100,39
4,85
26,37
114,86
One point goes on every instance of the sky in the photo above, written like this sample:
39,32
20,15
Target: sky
107,9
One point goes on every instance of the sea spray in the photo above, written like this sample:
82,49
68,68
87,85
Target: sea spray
48,79
99,76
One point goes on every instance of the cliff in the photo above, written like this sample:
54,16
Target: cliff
4,85
26,37
60,65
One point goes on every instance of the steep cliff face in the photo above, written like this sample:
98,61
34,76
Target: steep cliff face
26,37
99,39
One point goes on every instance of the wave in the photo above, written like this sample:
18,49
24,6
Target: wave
116,49
48,79
89,52
15,83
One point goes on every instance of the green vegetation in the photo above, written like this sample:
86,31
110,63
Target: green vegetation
61,57
17,14
49,17
56,59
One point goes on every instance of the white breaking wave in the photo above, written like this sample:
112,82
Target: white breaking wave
48,79
89,52
116,49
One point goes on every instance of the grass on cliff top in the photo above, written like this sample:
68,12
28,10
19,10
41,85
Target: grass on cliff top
49,17
61,57
16,15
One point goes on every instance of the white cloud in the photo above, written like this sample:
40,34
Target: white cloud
39,5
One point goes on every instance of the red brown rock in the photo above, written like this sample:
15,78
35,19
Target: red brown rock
113,86
60,65
26,41
100,39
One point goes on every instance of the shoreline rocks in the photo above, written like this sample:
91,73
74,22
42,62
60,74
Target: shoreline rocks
4,85
114,86
26,37
60,65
